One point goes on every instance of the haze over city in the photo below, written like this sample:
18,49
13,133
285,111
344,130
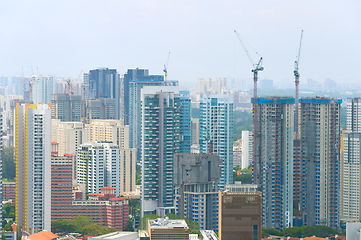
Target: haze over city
65,37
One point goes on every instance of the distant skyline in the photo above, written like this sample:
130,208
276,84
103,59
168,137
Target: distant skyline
65,37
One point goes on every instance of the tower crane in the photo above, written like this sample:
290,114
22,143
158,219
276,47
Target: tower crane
166,71
257,67
297,162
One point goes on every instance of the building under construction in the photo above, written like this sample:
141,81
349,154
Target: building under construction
274,160
319,182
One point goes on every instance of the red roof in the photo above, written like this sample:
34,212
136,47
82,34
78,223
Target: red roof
68,155
96,194
43,235
107,188
53,142
120,198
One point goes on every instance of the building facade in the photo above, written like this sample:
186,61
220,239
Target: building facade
33,168
247,149
102,108
133,98
273,170
106,130
240,215
104,83
8,191
67,108
69,135
320,158
98,166
160,141
216,132
350,161
136,75
185,122
61,186
196,177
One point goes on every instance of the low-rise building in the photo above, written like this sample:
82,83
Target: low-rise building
164,228
9,191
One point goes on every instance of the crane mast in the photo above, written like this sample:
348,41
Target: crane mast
297,147
256,68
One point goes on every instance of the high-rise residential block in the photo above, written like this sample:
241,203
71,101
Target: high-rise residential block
135,80
273,170
196,177
108,131
204,85
240,215
8,191
104,83
102,164
33,167
319,182
185,122
220,85
69,135
67,108
102,108
160,141
247,149
136,77
61,185
350,161
216,132
42,88
195,130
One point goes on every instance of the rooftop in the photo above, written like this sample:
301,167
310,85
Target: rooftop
43,235
115,235
167,223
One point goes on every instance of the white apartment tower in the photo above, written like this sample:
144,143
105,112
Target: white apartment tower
33,167
216,132
247,149
351,162
101,164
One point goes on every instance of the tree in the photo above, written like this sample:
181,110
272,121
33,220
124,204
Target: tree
8,157
143,220
129,226
8,211
3,236
81,221
63,225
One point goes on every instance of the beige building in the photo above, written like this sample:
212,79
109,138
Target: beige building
108,131
128,158
204,85
69,135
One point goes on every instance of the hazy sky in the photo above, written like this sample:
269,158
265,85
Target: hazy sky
64,37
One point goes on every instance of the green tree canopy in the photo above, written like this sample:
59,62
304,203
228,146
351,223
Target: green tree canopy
63,225
129,226
8,157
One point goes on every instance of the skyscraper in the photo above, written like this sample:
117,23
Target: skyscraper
273,170
98,166
67,108
196,176
137,75
104,83
216,132
185,122
319,184
33,167
160,140
134,81
42,88
351,162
